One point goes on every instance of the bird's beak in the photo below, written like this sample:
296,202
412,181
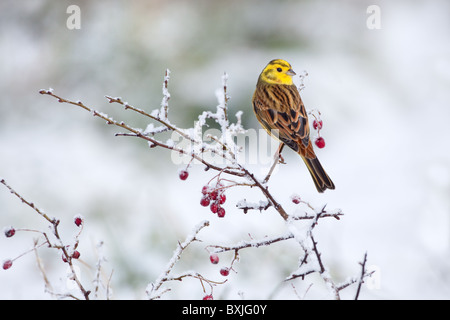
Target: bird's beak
290,72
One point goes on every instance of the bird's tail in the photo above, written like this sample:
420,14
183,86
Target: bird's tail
320,177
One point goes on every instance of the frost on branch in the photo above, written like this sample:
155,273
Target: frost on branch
219,153
154,290
68,251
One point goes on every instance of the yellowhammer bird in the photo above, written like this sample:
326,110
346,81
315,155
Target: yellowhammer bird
278,106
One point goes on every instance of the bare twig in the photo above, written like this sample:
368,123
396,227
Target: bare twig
48,286
363,275
30,204
276,159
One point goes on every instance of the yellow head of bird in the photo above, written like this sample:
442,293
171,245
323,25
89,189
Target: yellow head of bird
277,72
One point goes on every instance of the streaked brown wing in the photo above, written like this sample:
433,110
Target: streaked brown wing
280,107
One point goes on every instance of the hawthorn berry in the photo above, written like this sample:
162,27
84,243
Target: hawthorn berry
204,201
221,212
208,297
214,194
76,254
78,220
9,232
214,258
320,142
225,271
214,207
222,198
7,264
296,199
317,124
183,174
205,190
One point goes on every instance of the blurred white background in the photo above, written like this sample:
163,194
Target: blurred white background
385,102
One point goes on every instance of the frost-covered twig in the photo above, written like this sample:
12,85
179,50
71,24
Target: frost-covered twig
30,204
198,148
223,148
48,286
323,272
101,259
276,159
307,264
335,215
67,251
153,289
245,205
166,96
364,274
250,244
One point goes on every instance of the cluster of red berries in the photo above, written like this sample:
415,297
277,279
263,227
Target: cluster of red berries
214,198
317,125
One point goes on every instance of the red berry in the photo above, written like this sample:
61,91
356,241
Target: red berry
320,142
7,264
78,220
205,190
184,174
296,199
222,198
213,195
214,258
208,297
64,257
204,201
9,232
221,212
76,254
225,271
317,124
214,207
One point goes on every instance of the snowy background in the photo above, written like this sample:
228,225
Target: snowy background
385,102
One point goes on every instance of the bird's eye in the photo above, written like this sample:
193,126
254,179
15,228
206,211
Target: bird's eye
279,69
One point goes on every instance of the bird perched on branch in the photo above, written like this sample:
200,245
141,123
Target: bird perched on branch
278,106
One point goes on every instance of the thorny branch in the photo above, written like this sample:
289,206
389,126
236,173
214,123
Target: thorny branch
59,243
153,290
226,149
364,274
234,168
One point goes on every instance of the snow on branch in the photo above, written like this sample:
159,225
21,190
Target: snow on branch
154,289
221,154
55,241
